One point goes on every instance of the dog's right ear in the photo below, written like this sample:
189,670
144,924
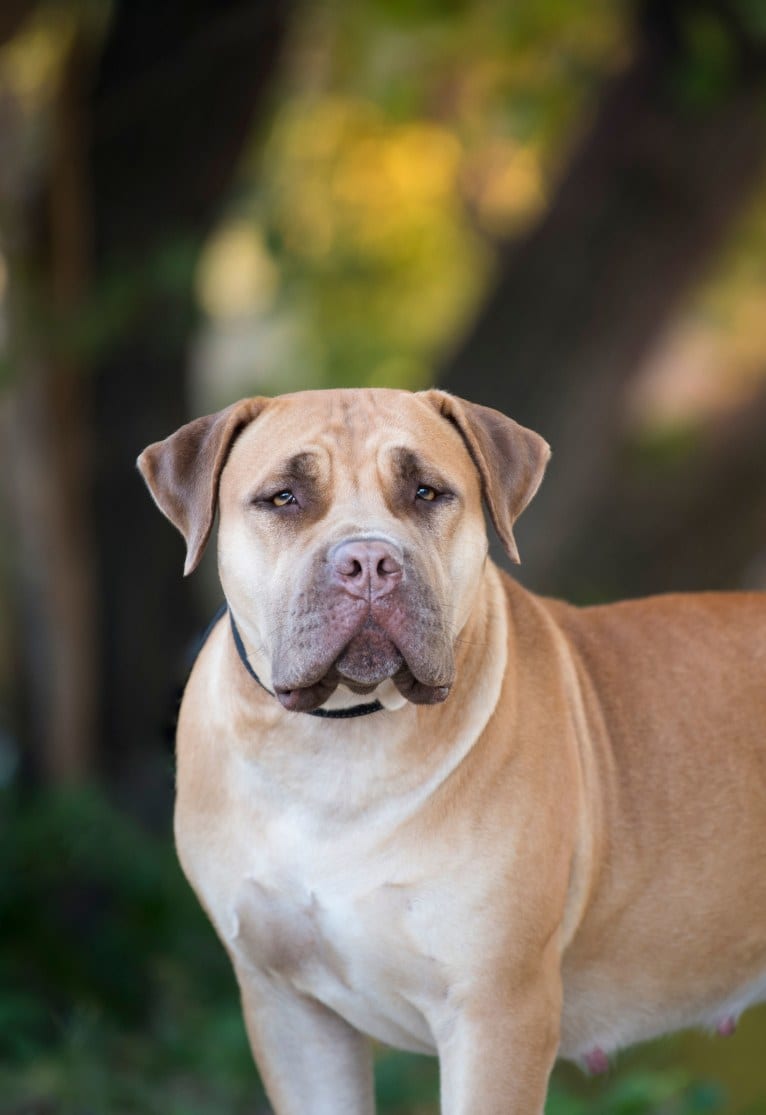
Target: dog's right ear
182,472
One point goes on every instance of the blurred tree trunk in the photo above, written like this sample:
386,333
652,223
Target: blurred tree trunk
145,146
695,521
671,158
45,442
173,106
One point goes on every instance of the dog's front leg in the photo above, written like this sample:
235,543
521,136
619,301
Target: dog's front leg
311,1061
498,1053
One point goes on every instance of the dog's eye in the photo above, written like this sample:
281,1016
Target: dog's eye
426,492
281,499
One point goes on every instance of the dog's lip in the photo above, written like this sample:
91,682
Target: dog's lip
369,657
359,689
420,692
307,698
313,693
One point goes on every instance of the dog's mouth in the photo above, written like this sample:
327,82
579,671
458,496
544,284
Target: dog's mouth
369,658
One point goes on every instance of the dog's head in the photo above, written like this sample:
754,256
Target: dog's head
351,540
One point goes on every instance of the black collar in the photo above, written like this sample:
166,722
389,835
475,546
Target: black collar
328,714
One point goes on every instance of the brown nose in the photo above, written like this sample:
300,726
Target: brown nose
366,568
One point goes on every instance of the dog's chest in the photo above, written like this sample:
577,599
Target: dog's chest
343,934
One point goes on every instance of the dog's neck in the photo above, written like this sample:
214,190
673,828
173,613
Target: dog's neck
382,759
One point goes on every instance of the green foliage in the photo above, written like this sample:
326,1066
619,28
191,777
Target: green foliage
752,14
82,890
116,997
709,63
643,1093
409,137
406,1083
658,449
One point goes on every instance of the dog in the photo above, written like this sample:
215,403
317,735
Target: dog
423,805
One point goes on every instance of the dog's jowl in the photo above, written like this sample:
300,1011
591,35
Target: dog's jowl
421,804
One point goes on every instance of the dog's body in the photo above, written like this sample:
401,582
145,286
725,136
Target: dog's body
565,855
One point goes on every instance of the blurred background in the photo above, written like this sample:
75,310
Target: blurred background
551,207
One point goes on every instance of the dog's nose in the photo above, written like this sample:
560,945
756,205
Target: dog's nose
366,568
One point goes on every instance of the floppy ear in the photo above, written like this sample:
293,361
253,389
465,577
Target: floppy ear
510,459
182,472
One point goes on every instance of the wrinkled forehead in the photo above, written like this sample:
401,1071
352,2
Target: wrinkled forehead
355,428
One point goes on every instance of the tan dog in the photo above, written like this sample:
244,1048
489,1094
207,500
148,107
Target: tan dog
549,839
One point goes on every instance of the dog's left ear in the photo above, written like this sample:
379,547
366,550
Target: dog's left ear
510,459
182,472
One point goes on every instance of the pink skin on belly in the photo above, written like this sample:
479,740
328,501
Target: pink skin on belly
596,1061
726,1026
